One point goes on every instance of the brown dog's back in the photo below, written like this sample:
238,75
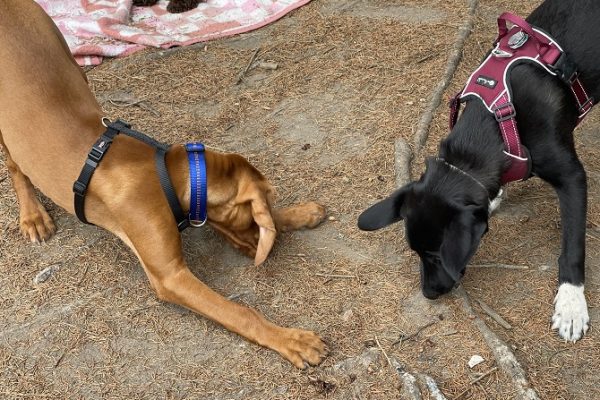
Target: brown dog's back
46,107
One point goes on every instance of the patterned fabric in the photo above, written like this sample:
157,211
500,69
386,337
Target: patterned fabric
95,29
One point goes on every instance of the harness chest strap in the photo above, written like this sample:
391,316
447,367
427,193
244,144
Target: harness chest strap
491,84
197,169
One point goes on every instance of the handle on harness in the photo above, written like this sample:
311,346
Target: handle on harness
517,21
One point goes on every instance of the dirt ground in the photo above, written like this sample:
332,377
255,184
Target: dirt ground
350,77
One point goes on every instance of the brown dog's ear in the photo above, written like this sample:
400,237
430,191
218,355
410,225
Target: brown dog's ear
261,212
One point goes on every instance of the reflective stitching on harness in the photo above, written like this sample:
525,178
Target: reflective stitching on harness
197,164
518,144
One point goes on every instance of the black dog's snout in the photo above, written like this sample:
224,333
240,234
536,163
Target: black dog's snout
431,294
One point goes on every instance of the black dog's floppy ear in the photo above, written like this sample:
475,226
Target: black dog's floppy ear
384,213
461,239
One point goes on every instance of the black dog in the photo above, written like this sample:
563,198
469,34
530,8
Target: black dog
446,210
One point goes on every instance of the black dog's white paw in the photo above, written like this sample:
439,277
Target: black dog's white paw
570,312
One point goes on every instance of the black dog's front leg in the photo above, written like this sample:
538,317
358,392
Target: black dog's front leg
570,312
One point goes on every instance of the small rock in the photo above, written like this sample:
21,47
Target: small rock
345,179
544,267
346,315
45,274
475,360
280,389
306,146
410,103
331,218
524,219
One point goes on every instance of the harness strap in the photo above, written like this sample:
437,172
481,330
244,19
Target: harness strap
99,149
198,184
491,85
584,102
167,186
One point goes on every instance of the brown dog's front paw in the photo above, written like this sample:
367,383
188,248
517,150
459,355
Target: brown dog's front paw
301,347
301,216
37,226
315,214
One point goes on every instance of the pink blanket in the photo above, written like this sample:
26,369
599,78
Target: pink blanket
111,28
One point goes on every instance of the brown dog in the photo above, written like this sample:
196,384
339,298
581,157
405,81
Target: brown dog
49,120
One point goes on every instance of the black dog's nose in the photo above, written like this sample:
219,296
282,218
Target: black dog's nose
431,295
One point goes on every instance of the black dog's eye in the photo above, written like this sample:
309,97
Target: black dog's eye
431,256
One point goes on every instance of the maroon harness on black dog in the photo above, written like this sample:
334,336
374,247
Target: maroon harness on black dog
491,84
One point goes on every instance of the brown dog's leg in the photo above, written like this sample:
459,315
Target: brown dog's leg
34,220
301,216
158,245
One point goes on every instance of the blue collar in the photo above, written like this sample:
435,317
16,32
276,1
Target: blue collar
198,184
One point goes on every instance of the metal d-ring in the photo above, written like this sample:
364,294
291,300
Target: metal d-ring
197,224
105,121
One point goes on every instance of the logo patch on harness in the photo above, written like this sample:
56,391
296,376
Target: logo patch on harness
489,83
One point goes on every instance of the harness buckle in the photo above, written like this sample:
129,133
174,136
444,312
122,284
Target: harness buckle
582,108
99,148
498,112
79,188
96,154
565,69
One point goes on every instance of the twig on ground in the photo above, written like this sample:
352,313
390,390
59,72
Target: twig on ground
6,228
313,53
488,372
83,275
404,338
494,315
403,157
267,65
505,358
434,391
474,381
506,266
383,351
336,276
556,353
243,73
427,57
60,358
453,60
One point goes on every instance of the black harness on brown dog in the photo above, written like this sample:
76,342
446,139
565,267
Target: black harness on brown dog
99,149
